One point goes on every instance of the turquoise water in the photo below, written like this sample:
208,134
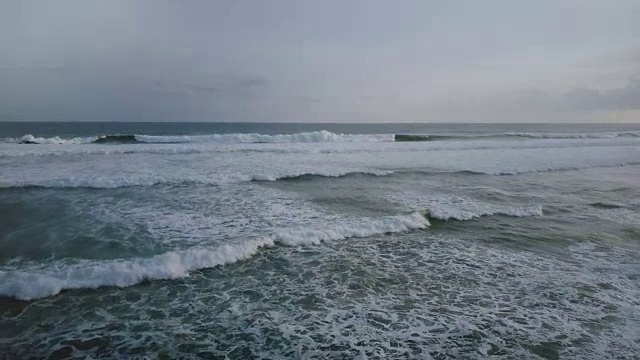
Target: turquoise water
270,241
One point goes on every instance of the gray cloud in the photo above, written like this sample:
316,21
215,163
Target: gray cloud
287,60
621,98
217,86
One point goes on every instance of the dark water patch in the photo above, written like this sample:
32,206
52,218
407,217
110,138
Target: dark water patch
401,137
460,172
515,135
308,177
10,215
98,344
64,352
116,139
605,205
363,204
12,306
413,137
438,223
546,350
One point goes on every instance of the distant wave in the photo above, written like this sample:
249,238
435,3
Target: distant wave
173,149
446,214
116,139
97,182
434,172
376,173
38,283
527,135
401,137
30,139
604,135
304,137
606,205
322,136
311,176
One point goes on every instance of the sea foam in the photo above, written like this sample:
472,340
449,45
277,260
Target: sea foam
30,139
304,137
112,181
41,282
321,136
450,213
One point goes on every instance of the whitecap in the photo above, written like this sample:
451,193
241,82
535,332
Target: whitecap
28,284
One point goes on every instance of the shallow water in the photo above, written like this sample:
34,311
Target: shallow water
201,240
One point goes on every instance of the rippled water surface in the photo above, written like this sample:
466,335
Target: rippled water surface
319,241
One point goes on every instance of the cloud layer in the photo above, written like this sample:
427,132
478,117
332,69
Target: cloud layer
329,61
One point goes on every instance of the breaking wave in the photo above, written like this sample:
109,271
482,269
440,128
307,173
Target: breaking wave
38,283
116,139
304,137
446,214
604,135
29,284
111,182
322,136
413,137
606,205
30,139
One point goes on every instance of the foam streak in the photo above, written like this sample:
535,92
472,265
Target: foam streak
28,285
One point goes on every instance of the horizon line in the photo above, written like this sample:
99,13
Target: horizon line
317,123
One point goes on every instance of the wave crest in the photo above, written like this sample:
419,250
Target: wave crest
304,137
177,264
449,213
130,180
322,136
30,139
366,228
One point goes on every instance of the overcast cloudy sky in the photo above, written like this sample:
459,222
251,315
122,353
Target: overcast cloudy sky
321,61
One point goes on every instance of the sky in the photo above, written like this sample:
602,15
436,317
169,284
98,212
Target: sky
320,61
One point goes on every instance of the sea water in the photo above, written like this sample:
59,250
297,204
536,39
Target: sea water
169,240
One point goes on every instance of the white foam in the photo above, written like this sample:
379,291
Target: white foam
171,265
364,228
602,135
452,213
452,207
13,149
322,136
38,283
118,181
53,140
311,137
116,178
335,159
304,137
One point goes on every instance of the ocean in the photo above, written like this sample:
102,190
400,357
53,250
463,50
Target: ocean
320,241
